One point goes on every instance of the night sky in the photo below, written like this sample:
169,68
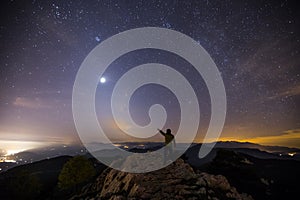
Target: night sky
255,45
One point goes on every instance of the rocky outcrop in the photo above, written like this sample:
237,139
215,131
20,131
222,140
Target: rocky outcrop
176,181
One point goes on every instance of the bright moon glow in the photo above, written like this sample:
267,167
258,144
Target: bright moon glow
102,80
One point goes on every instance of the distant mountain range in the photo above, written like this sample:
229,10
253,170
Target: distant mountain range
262,178
232,170
255,150
270,149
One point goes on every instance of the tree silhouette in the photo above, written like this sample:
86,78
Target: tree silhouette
74,172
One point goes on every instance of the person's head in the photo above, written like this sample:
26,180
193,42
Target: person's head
168,131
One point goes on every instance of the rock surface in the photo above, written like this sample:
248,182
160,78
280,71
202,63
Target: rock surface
176,181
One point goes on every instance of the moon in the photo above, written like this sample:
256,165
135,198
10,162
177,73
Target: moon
102,80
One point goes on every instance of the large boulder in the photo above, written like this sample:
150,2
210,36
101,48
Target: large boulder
176,181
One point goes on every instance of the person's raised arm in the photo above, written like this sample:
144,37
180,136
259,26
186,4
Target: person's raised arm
161,132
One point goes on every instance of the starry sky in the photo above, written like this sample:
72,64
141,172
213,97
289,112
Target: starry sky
255,45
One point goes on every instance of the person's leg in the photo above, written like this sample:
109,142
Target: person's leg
165,154
169,151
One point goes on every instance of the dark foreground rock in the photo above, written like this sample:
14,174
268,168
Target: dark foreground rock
176,181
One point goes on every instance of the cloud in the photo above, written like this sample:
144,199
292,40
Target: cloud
35,103
289,92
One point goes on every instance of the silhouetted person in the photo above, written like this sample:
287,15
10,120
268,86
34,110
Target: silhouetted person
169,142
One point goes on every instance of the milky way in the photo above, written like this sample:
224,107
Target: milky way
255,45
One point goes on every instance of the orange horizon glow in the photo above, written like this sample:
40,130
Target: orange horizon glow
288,139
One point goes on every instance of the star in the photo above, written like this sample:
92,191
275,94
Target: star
97,38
